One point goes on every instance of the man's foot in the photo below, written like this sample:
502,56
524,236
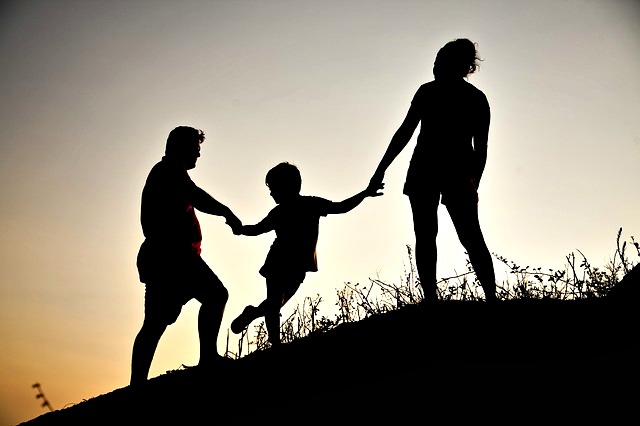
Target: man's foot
244,319
216,362
137,383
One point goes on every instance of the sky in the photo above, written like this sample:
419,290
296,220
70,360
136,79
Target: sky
90,90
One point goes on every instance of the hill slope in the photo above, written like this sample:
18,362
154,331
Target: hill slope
507,362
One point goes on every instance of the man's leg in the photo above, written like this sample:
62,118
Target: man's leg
425,225
209,320
160,310
213,296
464,216
144,348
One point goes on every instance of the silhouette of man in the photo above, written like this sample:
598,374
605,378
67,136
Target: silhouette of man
448,162
169,262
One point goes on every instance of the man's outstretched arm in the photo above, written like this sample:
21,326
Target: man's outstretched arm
207,204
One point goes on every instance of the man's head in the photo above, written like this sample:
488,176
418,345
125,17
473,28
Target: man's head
183,145
284,181
456,59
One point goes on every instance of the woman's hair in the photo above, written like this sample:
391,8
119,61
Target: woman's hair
456,59
284,176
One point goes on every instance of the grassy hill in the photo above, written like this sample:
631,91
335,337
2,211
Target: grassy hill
515,362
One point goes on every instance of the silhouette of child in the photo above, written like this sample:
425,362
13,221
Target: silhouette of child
293,253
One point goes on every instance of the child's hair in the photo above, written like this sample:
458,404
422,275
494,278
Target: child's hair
284,176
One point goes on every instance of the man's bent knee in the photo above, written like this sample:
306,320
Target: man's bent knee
217,296
223,296
152,327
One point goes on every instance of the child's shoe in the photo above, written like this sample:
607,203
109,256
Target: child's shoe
244,319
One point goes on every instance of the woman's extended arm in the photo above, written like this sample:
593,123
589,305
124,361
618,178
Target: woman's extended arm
354,201
399,140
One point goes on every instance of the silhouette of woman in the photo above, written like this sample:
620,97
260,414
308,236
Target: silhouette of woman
448,162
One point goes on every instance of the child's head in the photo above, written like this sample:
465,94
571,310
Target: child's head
284,181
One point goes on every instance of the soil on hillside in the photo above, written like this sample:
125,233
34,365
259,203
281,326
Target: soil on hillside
508,362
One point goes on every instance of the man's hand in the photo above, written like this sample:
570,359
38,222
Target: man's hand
235,224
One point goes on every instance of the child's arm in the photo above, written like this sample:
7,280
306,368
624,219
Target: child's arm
352,202
261,227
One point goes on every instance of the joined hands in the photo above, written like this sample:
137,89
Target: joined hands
235,224
375,185
374,189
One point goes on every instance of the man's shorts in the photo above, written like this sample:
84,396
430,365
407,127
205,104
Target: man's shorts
172,281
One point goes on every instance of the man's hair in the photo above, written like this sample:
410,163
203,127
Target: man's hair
180,137
284,176
457,58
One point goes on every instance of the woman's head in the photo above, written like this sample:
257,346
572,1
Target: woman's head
456,59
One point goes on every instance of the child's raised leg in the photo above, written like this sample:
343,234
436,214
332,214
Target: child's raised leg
279,291
243,320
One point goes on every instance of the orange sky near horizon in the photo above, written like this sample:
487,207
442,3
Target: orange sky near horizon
90,90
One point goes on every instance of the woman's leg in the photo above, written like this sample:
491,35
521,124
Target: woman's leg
464,216
425,226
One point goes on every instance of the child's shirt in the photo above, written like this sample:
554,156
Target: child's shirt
296,224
